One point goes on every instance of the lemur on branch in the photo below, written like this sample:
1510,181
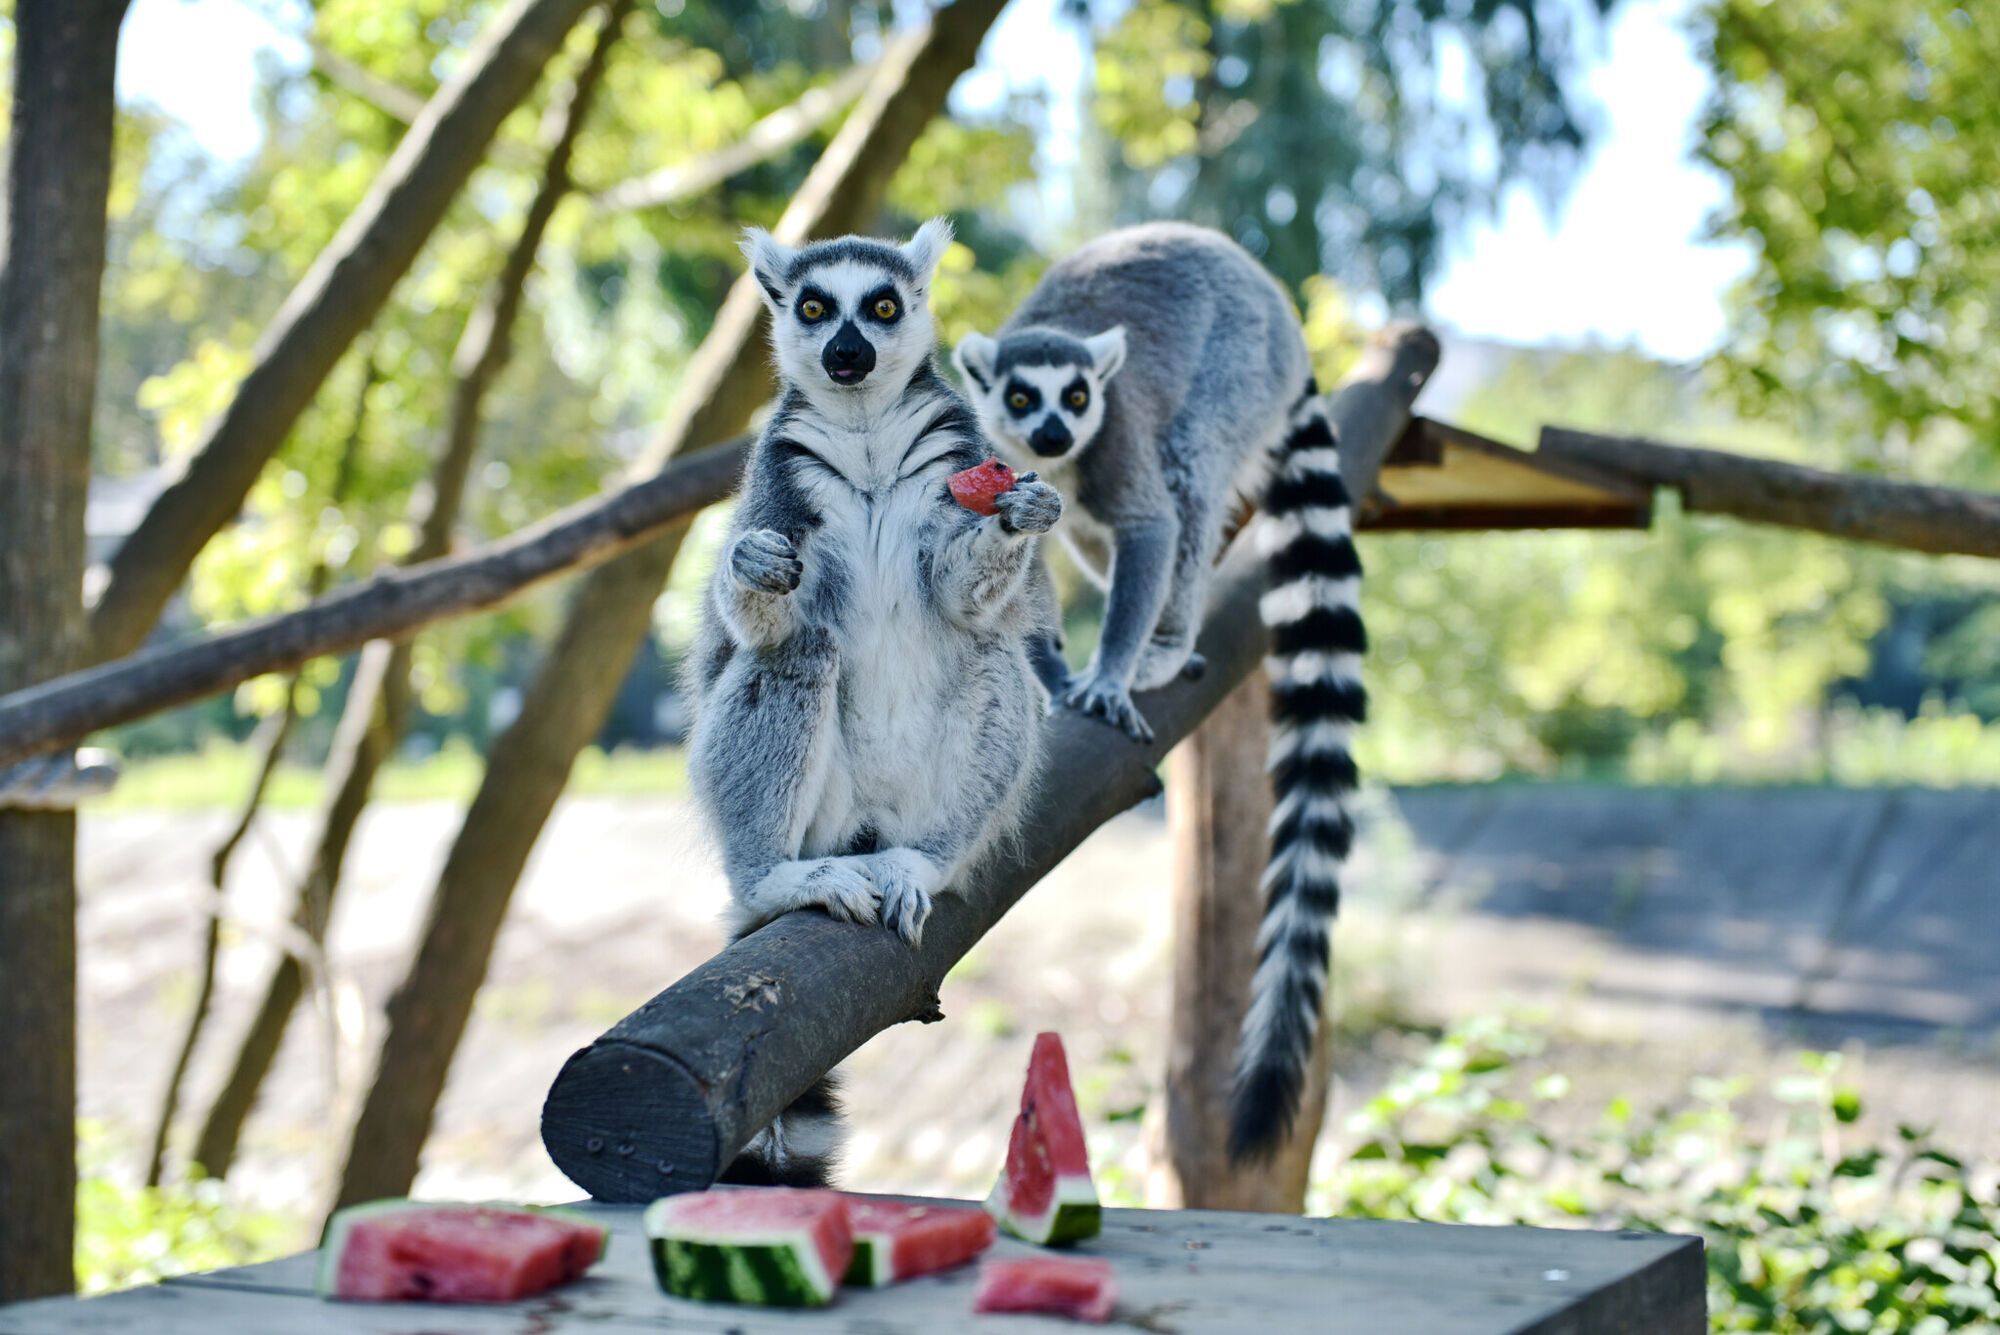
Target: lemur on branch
1158,376
866,717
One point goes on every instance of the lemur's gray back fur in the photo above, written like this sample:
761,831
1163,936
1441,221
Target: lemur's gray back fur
866,718
1157,375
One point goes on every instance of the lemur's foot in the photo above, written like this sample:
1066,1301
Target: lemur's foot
1029,506
841,886
1162,661
766,561
907,880
1106,698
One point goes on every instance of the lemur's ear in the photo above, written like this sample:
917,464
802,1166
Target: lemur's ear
928,246
768,262
1107,351
974,356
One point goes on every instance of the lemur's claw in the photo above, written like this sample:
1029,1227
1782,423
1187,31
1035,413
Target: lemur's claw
1195,668
1029,506
1102,698
765,560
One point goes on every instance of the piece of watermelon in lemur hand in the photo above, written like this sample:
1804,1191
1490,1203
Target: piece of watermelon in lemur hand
977,488
1045,1193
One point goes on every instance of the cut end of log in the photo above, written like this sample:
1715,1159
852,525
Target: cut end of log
629,1125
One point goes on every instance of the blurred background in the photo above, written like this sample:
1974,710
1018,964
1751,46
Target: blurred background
1675,906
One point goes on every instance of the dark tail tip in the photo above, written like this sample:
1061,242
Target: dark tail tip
1265,1105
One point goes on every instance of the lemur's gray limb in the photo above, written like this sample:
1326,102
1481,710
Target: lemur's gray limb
762,761
755,601
1045,647
1140,565
979,572
1166,652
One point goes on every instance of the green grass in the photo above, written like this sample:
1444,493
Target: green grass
220,775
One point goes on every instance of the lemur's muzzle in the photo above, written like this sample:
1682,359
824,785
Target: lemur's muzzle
848,357
1050,438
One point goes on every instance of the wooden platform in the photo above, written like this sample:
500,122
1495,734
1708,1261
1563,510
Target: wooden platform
1179,1271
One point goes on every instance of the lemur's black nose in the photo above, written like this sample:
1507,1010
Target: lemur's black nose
1051,437
848,357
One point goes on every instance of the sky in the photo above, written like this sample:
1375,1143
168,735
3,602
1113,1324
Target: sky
1621,262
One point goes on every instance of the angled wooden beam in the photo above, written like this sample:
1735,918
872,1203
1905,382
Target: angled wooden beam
666,1098
1919,518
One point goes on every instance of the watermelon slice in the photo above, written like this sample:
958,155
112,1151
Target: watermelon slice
1083,1289
774,1246
1045,1194
398,1250
895,1242
975,488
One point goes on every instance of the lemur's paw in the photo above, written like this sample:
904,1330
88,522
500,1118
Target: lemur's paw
905,879
1102,697
1030,506
1162,661
843,887
764,560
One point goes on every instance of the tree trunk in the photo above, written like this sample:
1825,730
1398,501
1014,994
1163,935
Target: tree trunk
1218,811
337,299
565,706
378,699
57,182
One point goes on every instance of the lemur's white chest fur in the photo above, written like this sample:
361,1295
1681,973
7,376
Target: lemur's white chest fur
900,662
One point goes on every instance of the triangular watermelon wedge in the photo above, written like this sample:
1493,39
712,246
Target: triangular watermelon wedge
1045,1194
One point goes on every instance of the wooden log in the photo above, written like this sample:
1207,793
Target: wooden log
391,605
671,1093
1218,813
1941,520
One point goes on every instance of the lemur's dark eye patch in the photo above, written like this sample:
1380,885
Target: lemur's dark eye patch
1022,398
1077,396
884,305
814,306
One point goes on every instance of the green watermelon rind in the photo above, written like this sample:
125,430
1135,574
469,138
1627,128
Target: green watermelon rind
1073,1214
872,1266
326,1275
780,1268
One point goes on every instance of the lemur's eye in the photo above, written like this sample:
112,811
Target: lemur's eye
1078,397
1017,400
886,308
812,308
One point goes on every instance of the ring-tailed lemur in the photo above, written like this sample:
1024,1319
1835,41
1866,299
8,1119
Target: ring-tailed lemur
866,718
1213,400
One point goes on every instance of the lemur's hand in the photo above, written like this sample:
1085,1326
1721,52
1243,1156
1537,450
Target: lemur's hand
1106,697
765,560
1029,506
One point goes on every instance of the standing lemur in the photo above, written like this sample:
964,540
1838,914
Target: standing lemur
1213,399
866,716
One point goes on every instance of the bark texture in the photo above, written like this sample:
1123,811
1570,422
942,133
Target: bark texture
673,1091
1218,813
1941,520
337,299
377,710
566,704
58,177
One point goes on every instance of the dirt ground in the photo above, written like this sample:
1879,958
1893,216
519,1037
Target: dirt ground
1447,921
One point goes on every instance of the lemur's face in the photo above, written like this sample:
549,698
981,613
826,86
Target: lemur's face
850,312
1040,392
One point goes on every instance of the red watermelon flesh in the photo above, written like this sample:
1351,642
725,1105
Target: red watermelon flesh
1083,1289
1045,1193
893,1241
975,488
400,1251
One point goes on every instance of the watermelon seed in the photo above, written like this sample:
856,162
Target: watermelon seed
594,1145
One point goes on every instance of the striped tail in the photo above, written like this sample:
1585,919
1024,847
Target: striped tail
1313,611
800,1148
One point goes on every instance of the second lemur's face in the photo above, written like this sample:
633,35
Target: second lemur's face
851,314
1040,392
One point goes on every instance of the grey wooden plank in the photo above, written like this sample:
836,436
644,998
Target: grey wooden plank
1183,1271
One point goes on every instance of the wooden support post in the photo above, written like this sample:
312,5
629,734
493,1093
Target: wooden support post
666,1098
1218,808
